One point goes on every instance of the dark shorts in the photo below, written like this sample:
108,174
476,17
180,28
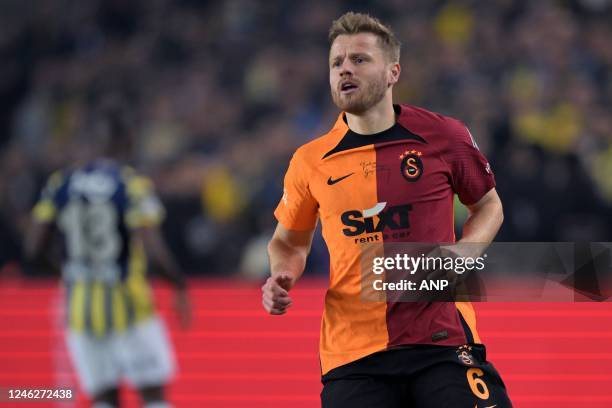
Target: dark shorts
417,377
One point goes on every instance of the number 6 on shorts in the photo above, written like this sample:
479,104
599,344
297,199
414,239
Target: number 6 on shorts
477,385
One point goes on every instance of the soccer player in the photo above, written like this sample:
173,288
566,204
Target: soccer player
385,173
109,216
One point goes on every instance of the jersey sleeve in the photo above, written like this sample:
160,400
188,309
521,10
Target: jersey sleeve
45,209
298,209
144,207
471,173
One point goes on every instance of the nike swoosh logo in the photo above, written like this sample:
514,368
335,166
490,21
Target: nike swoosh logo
490,406
331,182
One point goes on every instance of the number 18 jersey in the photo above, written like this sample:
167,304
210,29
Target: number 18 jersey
96,207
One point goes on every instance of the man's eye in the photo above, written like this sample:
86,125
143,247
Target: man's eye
359,60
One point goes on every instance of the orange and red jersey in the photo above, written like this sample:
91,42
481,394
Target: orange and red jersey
394,186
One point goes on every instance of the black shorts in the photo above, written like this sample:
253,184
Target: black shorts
417,377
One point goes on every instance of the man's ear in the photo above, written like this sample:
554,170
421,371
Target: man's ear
394,73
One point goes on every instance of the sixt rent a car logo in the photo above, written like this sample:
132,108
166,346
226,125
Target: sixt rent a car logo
376,219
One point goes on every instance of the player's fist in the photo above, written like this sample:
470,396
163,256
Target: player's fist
275,294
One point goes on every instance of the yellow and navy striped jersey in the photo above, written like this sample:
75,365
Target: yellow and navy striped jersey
96,208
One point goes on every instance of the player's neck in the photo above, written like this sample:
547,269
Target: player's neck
376,119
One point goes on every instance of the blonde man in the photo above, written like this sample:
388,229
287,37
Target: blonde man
385,173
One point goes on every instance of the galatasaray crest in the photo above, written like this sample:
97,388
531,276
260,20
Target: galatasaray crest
412,165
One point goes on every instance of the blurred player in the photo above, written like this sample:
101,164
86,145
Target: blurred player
109,217
385,173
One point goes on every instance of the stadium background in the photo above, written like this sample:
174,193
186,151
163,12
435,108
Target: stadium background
214,96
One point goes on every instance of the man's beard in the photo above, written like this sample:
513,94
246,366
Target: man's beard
362,100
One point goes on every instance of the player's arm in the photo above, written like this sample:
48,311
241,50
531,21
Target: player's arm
474,183
288,250
144,217
42,218
158,252
485,217
484,220
36,236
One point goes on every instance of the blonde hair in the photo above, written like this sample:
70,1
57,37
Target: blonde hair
354,23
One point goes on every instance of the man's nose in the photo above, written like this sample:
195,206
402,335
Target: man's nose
346,68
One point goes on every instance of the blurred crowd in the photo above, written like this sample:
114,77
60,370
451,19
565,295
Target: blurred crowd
210,99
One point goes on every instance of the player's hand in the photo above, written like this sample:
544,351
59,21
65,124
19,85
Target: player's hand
182,306
454,277
275,294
